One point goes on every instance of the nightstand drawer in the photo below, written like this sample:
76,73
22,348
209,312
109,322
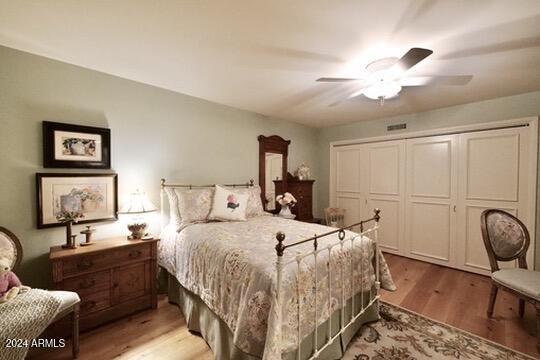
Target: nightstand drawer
91,262
95,301
89,283
133,253
104,260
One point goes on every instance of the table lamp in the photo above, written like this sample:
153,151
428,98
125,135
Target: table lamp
137,206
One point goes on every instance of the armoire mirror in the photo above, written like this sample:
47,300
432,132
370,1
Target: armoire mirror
273,151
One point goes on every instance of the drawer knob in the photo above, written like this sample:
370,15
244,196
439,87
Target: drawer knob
84,264
135,254
87,283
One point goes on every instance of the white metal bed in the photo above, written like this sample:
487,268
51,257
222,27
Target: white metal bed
345,323
356,311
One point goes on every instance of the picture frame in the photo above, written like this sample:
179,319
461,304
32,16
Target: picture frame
94,195
76,146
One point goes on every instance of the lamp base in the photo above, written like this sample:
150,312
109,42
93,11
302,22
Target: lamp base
138,231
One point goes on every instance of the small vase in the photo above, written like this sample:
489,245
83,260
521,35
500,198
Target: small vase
285,212
69,237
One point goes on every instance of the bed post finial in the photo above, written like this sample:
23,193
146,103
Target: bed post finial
377,217
251,182
162,183
280,248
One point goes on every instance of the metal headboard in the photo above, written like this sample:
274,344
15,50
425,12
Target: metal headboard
164,185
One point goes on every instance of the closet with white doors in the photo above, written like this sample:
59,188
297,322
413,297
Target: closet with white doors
432,189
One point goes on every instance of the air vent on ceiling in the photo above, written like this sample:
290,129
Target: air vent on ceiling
396,127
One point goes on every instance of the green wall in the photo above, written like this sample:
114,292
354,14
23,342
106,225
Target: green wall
155,133
158,133
505,108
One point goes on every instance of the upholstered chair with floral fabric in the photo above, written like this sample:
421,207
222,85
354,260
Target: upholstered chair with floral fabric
507,239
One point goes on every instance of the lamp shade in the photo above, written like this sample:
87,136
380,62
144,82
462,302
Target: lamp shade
138,203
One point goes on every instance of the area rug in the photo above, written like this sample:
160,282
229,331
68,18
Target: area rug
404,335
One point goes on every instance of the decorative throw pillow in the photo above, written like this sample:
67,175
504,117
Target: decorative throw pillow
229,205
194,204
254,204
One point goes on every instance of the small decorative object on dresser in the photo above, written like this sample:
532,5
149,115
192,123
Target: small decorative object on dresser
113,278
137,206
303,172
68,218
88,235
287,201
76,146
302,190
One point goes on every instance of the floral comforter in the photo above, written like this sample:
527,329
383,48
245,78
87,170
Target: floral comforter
231,266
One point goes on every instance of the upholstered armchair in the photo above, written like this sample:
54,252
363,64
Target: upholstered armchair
507,239
11,247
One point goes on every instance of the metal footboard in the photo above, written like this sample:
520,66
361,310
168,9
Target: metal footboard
344,323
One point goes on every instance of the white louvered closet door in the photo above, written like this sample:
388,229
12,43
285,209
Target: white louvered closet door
431,199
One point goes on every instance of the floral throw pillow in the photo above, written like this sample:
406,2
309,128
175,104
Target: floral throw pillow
228,205
254,204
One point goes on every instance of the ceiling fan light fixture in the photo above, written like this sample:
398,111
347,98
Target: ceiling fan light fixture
382,89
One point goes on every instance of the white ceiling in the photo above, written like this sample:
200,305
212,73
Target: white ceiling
264,56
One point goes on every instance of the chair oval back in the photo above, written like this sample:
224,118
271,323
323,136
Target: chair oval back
335,217
506,238
10,247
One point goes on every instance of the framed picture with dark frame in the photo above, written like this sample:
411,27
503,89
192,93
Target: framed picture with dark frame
93,195
76,146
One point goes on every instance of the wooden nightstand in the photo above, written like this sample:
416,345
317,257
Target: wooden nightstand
114,277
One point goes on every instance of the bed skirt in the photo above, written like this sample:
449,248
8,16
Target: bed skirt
202,320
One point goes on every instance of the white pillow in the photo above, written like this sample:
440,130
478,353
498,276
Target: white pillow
254,204
174,210
228,205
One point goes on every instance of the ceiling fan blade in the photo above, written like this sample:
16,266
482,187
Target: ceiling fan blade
436,80
331,79
412,57
353,95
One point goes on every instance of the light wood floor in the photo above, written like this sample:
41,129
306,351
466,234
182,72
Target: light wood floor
450,296
460,299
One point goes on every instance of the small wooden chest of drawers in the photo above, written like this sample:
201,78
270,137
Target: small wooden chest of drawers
113,277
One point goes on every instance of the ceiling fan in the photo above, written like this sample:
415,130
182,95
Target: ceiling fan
387,77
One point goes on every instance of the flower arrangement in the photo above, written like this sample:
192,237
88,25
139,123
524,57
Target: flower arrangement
286,199
69,216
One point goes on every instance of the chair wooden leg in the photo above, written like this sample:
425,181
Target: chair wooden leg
75,336
521,308
537,326
492,298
